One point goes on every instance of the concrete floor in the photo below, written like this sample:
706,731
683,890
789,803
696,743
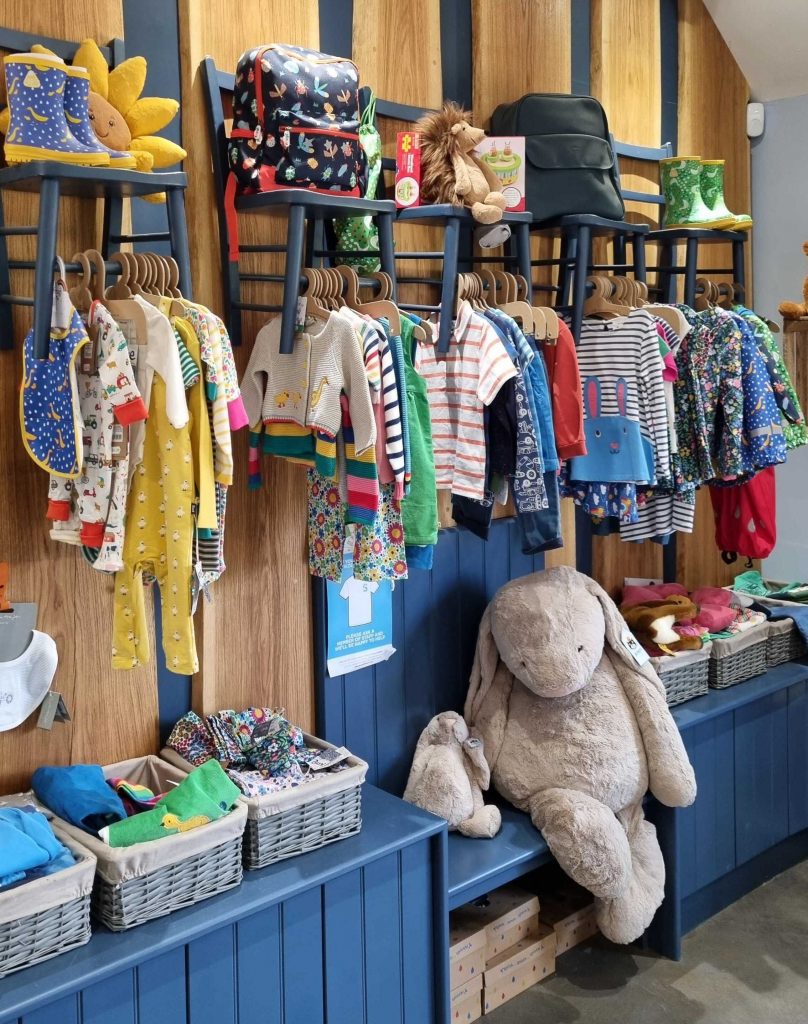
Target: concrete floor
747,965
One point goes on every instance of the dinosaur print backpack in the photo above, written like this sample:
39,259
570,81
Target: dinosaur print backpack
296,122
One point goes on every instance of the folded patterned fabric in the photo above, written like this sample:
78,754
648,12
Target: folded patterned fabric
79,794
202,797
254,740
28,847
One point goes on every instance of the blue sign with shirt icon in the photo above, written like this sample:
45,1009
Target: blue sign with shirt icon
360,622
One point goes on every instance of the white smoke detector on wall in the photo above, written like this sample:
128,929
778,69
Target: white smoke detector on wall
755,120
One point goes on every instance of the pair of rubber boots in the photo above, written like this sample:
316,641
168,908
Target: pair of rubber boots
49,114
694,195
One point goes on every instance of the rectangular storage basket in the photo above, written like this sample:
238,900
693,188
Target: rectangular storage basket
48,916
139,883
295,821
740,657
785,642
685,676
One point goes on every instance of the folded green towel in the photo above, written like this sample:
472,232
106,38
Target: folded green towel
203,796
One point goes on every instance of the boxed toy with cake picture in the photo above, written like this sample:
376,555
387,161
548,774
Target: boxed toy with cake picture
506,158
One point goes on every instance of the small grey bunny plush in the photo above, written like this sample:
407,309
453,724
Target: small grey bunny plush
448,775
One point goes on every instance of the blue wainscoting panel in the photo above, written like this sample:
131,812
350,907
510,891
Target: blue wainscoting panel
706,847
418,929
212,977
111,1001
302,928
65,1011
379,712
797,758
161,989
258,951
761,775
343,937
383,954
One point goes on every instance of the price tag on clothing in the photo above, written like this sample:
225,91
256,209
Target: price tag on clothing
634,647
329,758
300,314
120,442
88,356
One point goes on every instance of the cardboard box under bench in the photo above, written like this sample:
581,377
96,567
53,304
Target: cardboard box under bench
529,961
502,918
572,917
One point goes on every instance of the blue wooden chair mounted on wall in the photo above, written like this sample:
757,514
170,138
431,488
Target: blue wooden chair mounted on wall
307,213
667,268
52,180
575,262
458,226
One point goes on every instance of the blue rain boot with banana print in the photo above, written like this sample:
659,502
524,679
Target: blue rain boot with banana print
38,128
77,113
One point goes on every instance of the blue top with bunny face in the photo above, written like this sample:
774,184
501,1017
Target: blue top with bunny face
616,450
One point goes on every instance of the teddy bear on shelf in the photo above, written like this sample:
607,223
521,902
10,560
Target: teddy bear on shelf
796,310
450,170
448,775
576,730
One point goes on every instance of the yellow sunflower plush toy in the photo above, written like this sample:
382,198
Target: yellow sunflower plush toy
121,118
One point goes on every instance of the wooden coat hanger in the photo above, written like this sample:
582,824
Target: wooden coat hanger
119,298
376,309
706,294
599,303
314,284
80,294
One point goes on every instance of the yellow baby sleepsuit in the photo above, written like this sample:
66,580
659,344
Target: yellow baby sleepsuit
176,469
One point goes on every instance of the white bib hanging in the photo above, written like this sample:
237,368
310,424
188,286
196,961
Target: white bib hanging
25,680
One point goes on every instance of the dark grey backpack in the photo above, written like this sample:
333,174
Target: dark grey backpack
570,163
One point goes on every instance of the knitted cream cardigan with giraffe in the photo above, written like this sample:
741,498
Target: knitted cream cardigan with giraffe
304,387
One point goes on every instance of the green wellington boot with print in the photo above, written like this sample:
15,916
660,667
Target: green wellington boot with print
680,178
712,192
38,128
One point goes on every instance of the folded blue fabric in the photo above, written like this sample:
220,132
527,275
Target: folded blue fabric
79,794
28,847
799,615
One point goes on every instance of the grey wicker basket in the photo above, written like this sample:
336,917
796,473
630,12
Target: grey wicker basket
137,900
30,940
138,883
739,658
684,677
49,915
302,829
295,821
785,643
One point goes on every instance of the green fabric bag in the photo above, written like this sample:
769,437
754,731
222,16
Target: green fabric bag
358,233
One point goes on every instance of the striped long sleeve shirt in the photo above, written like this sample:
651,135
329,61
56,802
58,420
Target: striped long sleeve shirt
628,348
459,387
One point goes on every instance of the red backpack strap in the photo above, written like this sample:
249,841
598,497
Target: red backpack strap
231,217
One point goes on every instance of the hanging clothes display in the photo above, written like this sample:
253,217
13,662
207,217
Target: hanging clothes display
713,401
150,381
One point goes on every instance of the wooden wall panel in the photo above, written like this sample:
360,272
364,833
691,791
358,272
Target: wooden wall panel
713,94
257,631
114,713
544,33
519,46
630,91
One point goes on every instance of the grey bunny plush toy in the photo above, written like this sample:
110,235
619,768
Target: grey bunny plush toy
575,733
448,774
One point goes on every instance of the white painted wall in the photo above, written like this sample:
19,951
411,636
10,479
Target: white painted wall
780,210
768,40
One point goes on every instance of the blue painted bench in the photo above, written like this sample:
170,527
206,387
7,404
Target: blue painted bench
746,744
353,932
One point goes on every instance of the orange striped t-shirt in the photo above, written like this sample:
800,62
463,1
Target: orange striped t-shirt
459,386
